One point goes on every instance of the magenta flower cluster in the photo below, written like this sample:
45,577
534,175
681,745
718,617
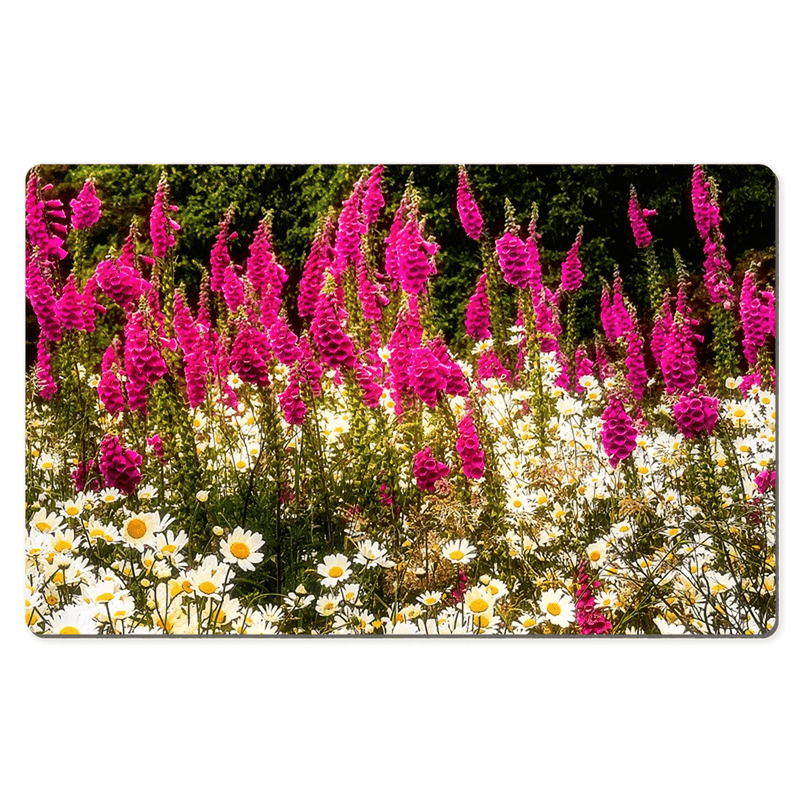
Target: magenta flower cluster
757,310
468,211
86,207
469,449
637,215
428,471
589,618
618,434
571,269
696,414
119,466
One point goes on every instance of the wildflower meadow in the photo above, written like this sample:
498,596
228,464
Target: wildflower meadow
254,449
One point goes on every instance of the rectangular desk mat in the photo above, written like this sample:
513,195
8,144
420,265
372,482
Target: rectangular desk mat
400,400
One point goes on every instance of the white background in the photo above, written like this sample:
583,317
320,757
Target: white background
403,82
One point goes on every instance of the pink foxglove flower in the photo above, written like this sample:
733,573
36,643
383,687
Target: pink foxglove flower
589,618
696,414
144,364
313,278
765,480
571,269
264,272
162,226
121,283
468,210
757,311
637,216
490,366
428,376
351,229
634,361
678,359
118,466
618,434
373,198
292,405
428,471
69,309
86,207
334,346
415,257
284,342
478,319
109,389
251,354
513,257
469,448
40,293
44,219
220,257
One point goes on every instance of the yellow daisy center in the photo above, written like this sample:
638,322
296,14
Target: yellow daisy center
62,544
69,630
43,526
554,609
105,597
478,605
333,572
456,555
595,555
529,623
241,464
168,548
241,550
73,511
136,529
206,587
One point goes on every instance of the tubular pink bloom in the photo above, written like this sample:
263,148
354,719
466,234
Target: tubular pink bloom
583,368
372,298
428,376
43,302
428,471
68,307
195,370
251,354
86,207
220,257
489,366
706,215
118,466
158,447
757,311
765,480
144,364
678,360
308,369
571,273
204,305
195,363
89,305
162,226
351,229
233,290
478,320
533,266
469,448
468,210
264,272
284,342
717,280
696,414
292,405
391,266
415,257
47,385
367,377
109,389
606,315
313,278
39,224
618,434
589,619
634,361
637,214
456,383
121,283
373,198
333,344
548,321
513,257
185,330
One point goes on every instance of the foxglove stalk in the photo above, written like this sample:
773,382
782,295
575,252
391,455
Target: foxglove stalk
86,207
428,376
415,257
69,309
318,262
757,311
373,198
469,448
220,257
468,211
637,215
478,320
513,258
144,364
571,269
333,344
264,272
251,354
618,434
292,405
589,619
42,218
122,284
109,389
119,466
162,226
43,302
47,385
696,414
351,229
428,471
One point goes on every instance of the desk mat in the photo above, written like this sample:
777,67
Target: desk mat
408,400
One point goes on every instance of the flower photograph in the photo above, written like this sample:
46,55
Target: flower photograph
409,400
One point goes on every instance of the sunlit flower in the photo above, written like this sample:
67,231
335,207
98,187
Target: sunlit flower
459,551
334,569
240,548
558,607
